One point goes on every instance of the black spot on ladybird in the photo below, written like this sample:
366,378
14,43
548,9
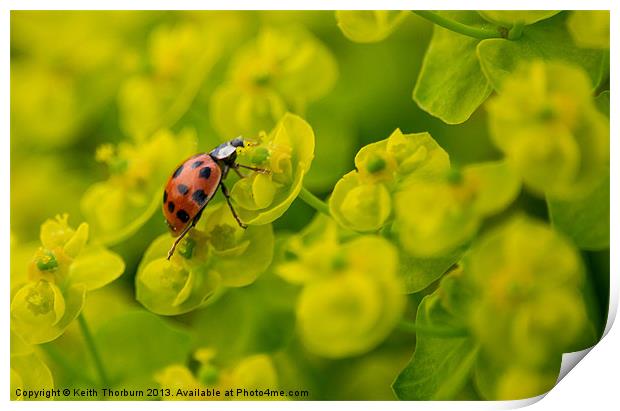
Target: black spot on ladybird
177,171
171,206
199,197
183,216
183,189
165,196
205,172
197,164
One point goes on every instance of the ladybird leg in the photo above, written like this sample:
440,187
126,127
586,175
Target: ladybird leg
239,172
180,237
225,170
258,170
232,209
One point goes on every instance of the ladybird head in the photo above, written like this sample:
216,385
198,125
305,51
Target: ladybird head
237,142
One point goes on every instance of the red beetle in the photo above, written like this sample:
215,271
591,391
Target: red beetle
194,183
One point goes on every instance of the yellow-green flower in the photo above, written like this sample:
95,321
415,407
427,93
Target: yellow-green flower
435,216
217,252
287,152
29,373
171,47
546,123
118,207
240,255
60,273
180,57
362,199
528,307
589,28
312,254
369,26
351,298
283,69
520,383
178,377
250,373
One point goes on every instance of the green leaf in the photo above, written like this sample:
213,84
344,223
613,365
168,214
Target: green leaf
418,273
138,343
547,40
602,102
242,328
451,85
440,367
586,220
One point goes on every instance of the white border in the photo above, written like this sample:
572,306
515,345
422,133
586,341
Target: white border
593,382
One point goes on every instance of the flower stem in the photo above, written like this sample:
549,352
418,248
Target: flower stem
432,331
516,31
313,201
92,348
455,26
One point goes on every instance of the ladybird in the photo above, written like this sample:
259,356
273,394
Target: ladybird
194,183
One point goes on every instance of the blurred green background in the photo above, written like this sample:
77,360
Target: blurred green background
82,80
65,99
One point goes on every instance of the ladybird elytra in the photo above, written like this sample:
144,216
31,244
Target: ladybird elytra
194,183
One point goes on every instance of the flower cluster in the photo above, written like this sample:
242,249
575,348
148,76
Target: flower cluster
118,207
362,199
351,297
436,215
287,153
178,62
217,252
546,123
529,306
63,269
282,69
250,373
